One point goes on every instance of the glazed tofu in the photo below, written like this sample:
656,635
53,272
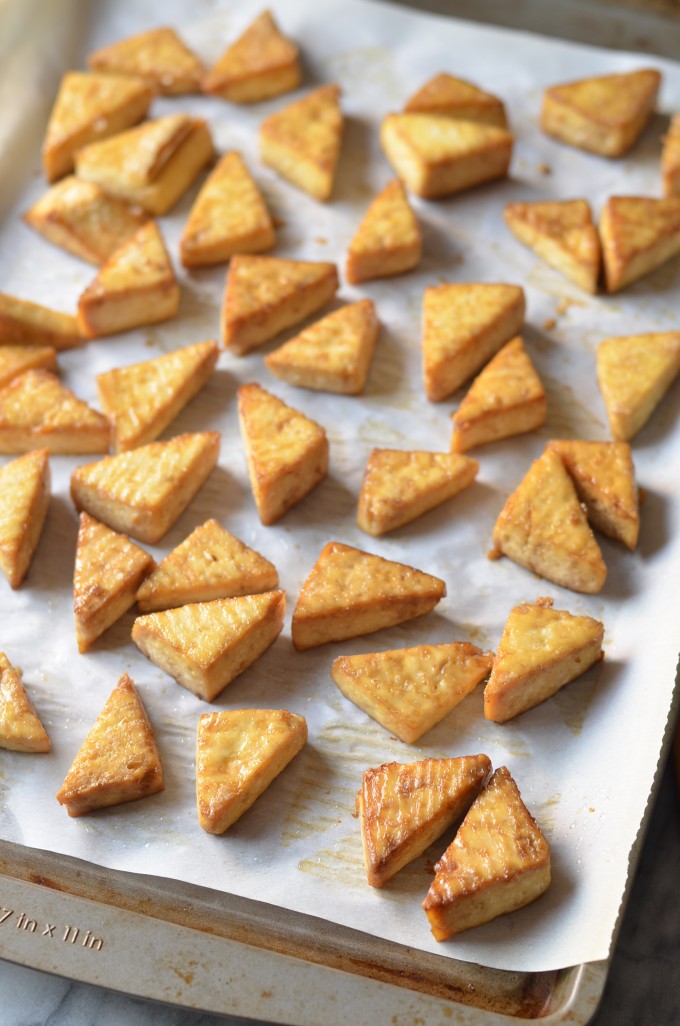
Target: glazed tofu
561,233
457,98
634,373
158,56
38,412
23,323
388,240
260,64
20,726
638,235
25,487
16,360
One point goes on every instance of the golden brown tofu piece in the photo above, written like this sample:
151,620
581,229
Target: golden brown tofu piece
25,486
404,807
463,326
260,64
90,107
136,286
143,398
561,233
498,862
38,412
604,478
388,240
333,354
210,564
16,360
287,452
118,761
143,492
638,235
400,486
541,649
409,690
457,98
239,752
81,218
505,399
438,156
603,115
109,569
23,323
205,645
20,726
229,216
350,592
543,528
158,56
302,141
153,164
265,295
634,373
670,159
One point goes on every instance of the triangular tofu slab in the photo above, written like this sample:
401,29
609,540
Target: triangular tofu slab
89,107
670,159
409,690
38,412
20,726
541,649
109,569
543,528
143,492
505,399
239,753
457,98
561,233
333,354
23,323
265,295
350,592
387,241
211,563
287,452
260,64
638,235
404,807
228,217
634,373
463,326
205,645
399,486
499,861
302,142
118,761
81,218
603,115
24,497
604,478
143,398
136,286
158,56
16,360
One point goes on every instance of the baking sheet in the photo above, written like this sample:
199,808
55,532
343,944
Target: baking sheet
584,761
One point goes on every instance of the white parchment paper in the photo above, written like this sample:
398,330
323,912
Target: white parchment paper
586,760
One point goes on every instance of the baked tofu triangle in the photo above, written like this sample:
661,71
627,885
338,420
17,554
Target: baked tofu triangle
499,861
456,98
109,569
211,563
604,478
541,649
387,241
20,726
634,373
23,323
287,452
228,217
24,499
239,753
158,56
400,486
670,159
463,326
136,286
505,399
333,354
543,528
302,142
205,645
638,235
38,412
16,360
404,807
118,761
561,233
350,592
143,398
409,690
260,64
